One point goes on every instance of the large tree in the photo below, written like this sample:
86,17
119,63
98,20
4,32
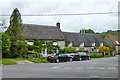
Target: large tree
15,31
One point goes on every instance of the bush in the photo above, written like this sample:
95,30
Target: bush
61,50
33,53
5,45
30,47
81,51
69,50
14,55
94,55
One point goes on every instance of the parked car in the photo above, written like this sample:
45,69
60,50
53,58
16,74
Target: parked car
59,58
81,56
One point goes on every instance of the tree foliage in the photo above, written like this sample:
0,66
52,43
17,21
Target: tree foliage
87,31
104,49
5,45
49,46
15,31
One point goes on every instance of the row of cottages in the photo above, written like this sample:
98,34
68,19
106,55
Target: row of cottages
90,42
112,40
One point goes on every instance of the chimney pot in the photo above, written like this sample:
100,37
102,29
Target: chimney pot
58,24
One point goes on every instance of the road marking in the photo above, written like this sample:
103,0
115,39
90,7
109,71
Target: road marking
54,67
100,68
112,68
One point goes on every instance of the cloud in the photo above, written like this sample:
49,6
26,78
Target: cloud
68,23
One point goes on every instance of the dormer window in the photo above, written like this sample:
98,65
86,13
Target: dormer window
70,44
101,44
93,44
117,42
82,44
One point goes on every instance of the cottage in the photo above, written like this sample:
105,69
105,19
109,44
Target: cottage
112,40
44,33
90,42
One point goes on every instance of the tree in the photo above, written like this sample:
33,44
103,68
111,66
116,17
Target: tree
87,31
104,49
5,46
15,31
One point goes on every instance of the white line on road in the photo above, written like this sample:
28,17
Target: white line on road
112,68
54,67
100,67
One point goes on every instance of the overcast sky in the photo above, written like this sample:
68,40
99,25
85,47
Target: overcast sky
99,22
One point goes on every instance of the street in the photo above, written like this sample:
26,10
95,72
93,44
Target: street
94,68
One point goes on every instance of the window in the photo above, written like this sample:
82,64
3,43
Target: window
54,42
82,44
117,42
55,50
93,44
101,44
43,43
70,44
30,43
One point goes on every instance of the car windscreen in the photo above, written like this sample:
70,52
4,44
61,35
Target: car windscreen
82,53
62,55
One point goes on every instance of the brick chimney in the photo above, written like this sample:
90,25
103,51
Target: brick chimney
58,24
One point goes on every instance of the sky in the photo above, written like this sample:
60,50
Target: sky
71,23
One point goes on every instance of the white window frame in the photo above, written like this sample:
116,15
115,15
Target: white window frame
55,43
82,44
101,44
30,43
117,42
71,44
93,44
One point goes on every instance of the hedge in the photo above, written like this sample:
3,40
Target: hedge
33,52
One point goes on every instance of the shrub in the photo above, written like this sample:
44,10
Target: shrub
5,45
30,47
14,55
61,50
81,51
94,55
69,50
33,53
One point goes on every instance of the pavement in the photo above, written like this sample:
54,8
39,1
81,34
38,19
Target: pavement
94,68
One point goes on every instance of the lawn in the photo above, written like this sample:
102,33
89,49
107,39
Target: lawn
9,61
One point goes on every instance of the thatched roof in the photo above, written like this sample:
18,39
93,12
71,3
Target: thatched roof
42,32
77,38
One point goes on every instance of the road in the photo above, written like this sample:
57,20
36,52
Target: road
94,68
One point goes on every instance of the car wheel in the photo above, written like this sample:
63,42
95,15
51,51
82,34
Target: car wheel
89,58
70,60
57,61
51,61
80,59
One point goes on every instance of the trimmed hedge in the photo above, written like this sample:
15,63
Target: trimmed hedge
33,53
94,55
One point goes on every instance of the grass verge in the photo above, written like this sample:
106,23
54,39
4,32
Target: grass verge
10,61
